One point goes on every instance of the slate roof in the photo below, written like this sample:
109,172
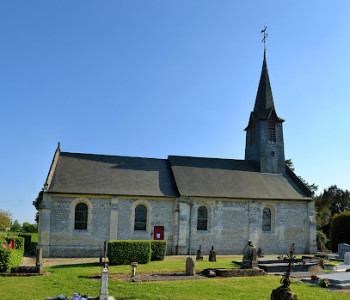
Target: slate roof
178,175
112,175
229,178
264,105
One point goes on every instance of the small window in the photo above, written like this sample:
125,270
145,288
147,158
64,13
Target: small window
140,217
81,216
266,225
252,134
202,222
272,131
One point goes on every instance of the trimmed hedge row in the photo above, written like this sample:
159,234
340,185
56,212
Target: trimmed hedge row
27,240
126,252
158,250
10,258
340,230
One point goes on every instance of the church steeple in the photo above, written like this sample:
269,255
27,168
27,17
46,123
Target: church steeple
264,139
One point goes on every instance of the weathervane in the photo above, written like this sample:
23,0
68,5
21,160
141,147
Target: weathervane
265,36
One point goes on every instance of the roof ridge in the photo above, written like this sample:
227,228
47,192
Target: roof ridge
110,155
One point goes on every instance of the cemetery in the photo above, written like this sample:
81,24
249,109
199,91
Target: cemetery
179,277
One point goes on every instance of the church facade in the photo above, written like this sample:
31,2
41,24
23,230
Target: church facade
187,201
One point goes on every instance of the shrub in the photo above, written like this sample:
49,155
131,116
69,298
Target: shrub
323,238
19,241
27,240
340,230
158,250
10,258
126,252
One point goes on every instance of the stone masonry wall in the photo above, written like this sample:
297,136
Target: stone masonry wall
231,223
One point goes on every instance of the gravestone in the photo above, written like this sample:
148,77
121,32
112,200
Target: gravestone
319,243
347,258
39,259
199,253
283,294
260,252
249,257
212,254
190,266
342,248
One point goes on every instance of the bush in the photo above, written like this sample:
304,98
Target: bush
19,241
158,250
340,230
10,258
27,240
126,252
323,238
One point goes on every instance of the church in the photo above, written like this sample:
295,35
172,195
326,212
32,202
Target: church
187,201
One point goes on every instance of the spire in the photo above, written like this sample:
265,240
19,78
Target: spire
264,99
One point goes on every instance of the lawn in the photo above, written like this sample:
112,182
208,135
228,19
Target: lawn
69,279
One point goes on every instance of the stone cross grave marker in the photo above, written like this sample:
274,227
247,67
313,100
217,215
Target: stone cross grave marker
190,266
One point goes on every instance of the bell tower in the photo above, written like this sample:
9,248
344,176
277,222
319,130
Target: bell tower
264,138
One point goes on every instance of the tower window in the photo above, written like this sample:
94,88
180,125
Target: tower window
202,222
252,134
272,131
140,217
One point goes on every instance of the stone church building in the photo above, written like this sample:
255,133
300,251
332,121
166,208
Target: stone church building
187,201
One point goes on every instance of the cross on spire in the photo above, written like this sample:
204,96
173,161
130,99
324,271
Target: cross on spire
265,36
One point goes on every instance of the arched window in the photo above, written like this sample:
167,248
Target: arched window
140,217
202,222
81,216
266,223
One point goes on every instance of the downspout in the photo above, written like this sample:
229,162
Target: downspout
190,229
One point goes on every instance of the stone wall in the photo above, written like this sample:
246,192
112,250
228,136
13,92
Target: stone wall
231,223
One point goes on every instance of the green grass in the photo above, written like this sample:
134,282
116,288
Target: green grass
72,278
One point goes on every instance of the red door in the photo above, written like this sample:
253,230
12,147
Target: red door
158,232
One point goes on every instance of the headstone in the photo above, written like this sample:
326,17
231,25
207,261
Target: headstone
319,243
347,258
39,259
342,248
249,257
260,252
212,254
199,253
190,266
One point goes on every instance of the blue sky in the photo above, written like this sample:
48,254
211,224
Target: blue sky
154,78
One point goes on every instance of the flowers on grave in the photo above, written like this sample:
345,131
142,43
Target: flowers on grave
330,264
134,264
323,282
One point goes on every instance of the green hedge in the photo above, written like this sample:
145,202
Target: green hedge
158,250
19,241
27,240
340,230
10,258
126,252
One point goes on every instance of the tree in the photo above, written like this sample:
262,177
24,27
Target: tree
333,200
29,228
37,203
16,226
5,219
